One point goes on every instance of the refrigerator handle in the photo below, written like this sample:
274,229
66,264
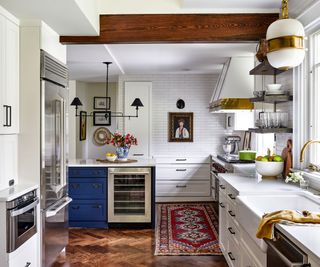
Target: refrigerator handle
58,157
54,210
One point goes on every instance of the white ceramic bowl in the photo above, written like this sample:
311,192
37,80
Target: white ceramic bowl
269,168
274,86
113,158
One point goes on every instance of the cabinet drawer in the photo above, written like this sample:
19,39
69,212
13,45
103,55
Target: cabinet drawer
183,188
233,231
87,210
84,172
183,160
232,194
232,213
92,188
233,255
178,172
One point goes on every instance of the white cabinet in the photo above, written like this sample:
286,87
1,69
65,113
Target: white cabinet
140,127
236,245
25,256
9,76
8,159
183,178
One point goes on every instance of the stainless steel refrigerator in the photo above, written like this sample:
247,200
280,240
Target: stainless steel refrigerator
54,178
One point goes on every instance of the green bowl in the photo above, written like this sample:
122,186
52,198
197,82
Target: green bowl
247,155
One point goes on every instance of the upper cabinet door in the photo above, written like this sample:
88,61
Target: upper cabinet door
140,127
9,90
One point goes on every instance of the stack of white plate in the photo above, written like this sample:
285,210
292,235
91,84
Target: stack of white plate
274,89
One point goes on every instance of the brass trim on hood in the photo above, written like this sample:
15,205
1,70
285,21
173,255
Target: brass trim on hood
231,103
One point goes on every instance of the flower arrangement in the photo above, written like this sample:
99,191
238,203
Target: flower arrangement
294,177
119,140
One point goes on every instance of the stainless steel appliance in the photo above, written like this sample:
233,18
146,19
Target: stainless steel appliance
129,195
21,219
53,187
223,164
283,252
231,145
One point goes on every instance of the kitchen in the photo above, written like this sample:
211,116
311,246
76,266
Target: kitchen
192,104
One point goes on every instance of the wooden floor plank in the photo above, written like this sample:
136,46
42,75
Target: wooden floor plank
124,248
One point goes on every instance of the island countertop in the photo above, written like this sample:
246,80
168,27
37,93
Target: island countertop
94,163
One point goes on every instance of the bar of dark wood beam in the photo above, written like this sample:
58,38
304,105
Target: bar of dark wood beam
177,28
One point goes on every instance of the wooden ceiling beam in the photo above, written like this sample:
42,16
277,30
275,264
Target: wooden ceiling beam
178,28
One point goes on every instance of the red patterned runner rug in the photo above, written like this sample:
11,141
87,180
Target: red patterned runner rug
187,229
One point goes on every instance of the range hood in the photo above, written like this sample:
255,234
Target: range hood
234,87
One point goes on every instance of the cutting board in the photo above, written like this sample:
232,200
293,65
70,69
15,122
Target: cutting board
287,156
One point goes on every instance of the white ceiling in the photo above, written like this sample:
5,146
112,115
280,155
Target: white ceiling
85,61
66,17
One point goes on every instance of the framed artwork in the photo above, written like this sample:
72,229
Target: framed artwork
247,141
180,126
101,118
102,103
83,126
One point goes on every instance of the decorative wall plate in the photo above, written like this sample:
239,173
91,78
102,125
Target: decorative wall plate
101,136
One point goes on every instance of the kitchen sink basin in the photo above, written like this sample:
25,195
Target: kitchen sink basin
253,207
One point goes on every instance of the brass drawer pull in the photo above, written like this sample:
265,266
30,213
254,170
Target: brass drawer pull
221,205
222,187
231,256
231,196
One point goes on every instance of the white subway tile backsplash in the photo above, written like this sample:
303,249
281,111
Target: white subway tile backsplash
196,91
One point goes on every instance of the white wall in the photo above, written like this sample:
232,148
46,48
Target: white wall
196,91
91,10
34,35
86,92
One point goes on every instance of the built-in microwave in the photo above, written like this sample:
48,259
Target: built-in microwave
21,220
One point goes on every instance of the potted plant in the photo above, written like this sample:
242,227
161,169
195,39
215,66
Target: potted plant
123,144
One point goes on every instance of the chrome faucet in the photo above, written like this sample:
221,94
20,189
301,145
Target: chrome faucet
305,146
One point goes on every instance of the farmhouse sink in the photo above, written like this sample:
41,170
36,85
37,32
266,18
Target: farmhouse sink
252,208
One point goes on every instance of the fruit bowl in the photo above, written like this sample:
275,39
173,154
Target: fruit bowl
269,169
111,157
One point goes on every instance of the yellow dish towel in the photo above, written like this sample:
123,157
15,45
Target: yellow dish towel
265,229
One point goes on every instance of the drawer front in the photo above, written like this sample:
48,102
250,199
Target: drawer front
232,213
87,210
232,194
182,160
178,172
92,188
183,188
233,255
84,172
233,231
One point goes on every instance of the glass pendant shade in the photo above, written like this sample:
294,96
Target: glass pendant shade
285,43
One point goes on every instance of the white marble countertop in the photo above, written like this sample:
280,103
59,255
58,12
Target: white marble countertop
16,191
246,185
94,163
306,237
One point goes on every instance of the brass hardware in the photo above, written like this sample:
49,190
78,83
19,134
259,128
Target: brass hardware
284,9
305,146
232,103
284,42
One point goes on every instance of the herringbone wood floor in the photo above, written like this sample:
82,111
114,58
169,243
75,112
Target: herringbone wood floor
124,248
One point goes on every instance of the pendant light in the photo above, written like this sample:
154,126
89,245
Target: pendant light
285,41
76,102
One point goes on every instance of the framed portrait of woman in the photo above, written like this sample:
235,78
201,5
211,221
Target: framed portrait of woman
180,126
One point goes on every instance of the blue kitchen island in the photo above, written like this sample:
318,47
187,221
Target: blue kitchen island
111,195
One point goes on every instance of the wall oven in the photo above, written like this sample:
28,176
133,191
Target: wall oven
129,195
21,219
